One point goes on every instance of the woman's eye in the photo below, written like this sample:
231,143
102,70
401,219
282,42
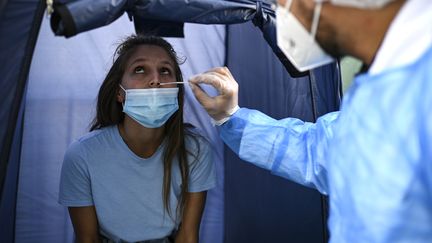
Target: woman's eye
165,71
139,70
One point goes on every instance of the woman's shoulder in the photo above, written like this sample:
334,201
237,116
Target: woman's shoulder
90,140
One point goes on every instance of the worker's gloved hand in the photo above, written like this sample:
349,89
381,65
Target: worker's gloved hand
222,106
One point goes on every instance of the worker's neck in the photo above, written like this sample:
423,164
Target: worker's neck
359,33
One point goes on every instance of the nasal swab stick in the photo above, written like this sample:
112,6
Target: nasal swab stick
172,83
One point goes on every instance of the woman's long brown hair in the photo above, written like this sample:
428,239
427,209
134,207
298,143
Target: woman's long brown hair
109,112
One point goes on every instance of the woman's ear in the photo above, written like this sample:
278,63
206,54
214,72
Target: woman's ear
120,95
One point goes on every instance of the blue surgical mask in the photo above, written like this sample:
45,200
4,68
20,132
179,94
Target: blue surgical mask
150,107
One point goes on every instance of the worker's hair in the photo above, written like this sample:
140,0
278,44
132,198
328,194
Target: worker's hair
109,112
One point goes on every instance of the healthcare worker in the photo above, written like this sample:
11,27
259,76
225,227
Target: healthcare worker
373,158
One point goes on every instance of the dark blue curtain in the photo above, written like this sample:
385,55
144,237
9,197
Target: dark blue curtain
19,27
260,207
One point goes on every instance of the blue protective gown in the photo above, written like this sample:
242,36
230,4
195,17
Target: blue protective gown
373,157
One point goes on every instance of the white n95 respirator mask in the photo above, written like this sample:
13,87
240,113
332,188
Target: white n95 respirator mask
298,45
150,107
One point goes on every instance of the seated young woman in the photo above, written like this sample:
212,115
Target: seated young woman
141,174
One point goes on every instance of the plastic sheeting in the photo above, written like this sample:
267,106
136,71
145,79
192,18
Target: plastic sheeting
63,83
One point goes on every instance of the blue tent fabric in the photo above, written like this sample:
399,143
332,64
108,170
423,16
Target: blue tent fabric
19,25
10,188
75,16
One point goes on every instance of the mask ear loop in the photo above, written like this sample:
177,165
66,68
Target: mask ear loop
124,101
315,20
316,16
288,5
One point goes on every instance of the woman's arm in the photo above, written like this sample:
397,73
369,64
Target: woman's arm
85,224
189,228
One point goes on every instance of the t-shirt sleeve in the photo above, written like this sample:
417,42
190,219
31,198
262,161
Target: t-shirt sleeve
202,176
75,185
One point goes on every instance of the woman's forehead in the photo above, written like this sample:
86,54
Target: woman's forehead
151,53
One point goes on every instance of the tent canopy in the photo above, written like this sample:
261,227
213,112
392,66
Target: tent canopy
71,17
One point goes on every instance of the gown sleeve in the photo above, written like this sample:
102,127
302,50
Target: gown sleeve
289,148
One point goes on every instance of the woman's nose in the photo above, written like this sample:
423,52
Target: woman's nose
154,83
154,80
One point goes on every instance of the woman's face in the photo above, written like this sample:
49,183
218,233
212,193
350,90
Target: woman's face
148,66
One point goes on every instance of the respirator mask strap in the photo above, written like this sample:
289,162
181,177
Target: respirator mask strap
315,20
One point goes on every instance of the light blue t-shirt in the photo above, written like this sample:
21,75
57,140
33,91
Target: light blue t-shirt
99,169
